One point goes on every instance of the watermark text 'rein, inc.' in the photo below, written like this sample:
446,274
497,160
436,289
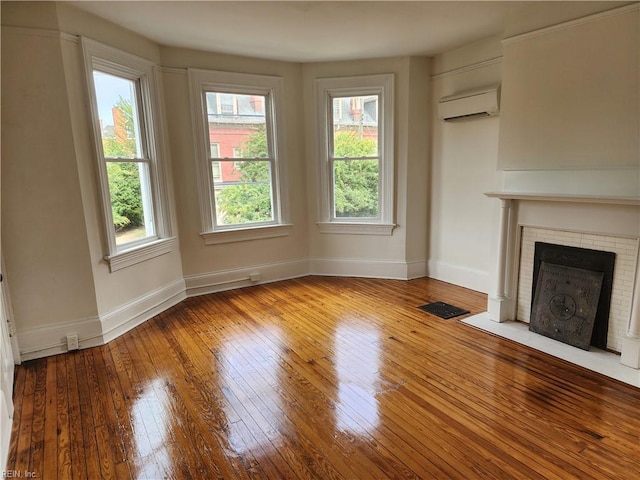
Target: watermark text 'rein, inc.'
19,474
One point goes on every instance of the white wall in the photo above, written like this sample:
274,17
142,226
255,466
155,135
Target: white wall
44,230
415,181
463,168
571,96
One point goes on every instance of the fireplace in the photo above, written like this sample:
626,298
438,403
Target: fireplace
572,294
603,223
604,249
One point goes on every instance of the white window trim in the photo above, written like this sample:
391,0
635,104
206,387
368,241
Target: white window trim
356,228
240,83
326,89
100,55
246,233
135,255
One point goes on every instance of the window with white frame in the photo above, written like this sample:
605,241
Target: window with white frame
125,111
356,164
240,182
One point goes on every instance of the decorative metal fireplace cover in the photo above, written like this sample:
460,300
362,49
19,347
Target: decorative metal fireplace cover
565,304
588,259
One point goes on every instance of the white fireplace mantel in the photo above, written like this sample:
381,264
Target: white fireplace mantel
546,197
592,214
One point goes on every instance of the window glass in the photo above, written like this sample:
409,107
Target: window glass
117,111
125,190
242,192
355,188
242,188
121,135
355,159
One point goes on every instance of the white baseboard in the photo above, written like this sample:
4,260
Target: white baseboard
417,269
356,267
51,339
477,280
94,331
242,277
141,309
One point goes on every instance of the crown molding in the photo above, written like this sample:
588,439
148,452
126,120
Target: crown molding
596,17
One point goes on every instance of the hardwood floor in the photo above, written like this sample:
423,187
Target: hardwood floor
323,378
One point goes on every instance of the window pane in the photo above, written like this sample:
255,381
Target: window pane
216,171
355,126
130,201
237,123
117,111
243,192
355,188
214,150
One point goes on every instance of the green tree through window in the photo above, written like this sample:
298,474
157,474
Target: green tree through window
250,199
355,181
124,177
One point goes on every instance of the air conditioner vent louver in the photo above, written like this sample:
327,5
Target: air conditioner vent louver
483,102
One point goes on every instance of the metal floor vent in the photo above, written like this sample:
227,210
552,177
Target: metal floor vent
443,310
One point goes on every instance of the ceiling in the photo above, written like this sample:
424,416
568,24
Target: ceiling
310,31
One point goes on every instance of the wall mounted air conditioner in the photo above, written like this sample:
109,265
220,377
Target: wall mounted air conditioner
484,102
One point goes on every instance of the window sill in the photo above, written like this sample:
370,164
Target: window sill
354,228
246,233
139,253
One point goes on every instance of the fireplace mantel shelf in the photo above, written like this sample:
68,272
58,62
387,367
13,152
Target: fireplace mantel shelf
554,197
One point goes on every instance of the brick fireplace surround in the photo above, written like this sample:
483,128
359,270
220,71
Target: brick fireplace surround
605,223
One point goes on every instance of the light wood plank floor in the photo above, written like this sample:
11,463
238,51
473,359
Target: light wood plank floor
322,378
